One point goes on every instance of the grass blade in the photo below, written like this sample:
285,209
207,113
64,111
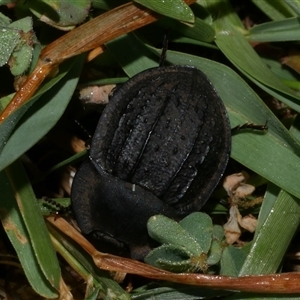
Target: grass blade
37,118
24,224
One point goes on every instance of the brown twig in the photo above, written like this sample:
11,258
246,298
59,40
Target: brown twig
284,283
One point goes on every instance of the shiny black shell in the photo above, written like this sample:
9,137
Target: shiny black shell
160,147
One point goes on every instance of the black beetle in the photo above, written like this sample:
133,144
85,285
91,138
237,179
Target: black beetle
160,147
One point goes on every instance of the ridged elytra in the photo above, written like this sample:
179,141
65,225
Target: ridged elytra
160,147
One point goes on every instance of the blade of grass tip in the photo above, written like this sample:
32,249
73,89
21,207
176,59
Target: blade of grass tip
31,216
18,235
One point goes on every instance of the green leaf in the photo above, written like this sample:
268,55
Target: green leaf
237,49
199,225
217,246
294,5
4,20
24,24
167,231
275,10
180,252
202,29
185,40
232,261
277,223
276,31
124,57
9,124
64,15
266,207
9,39
272,240
171,258
21,58
16,45
218,233
5,100
282,73
215,253
222,9
37,118
175,9
170,291
22,55
27,232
